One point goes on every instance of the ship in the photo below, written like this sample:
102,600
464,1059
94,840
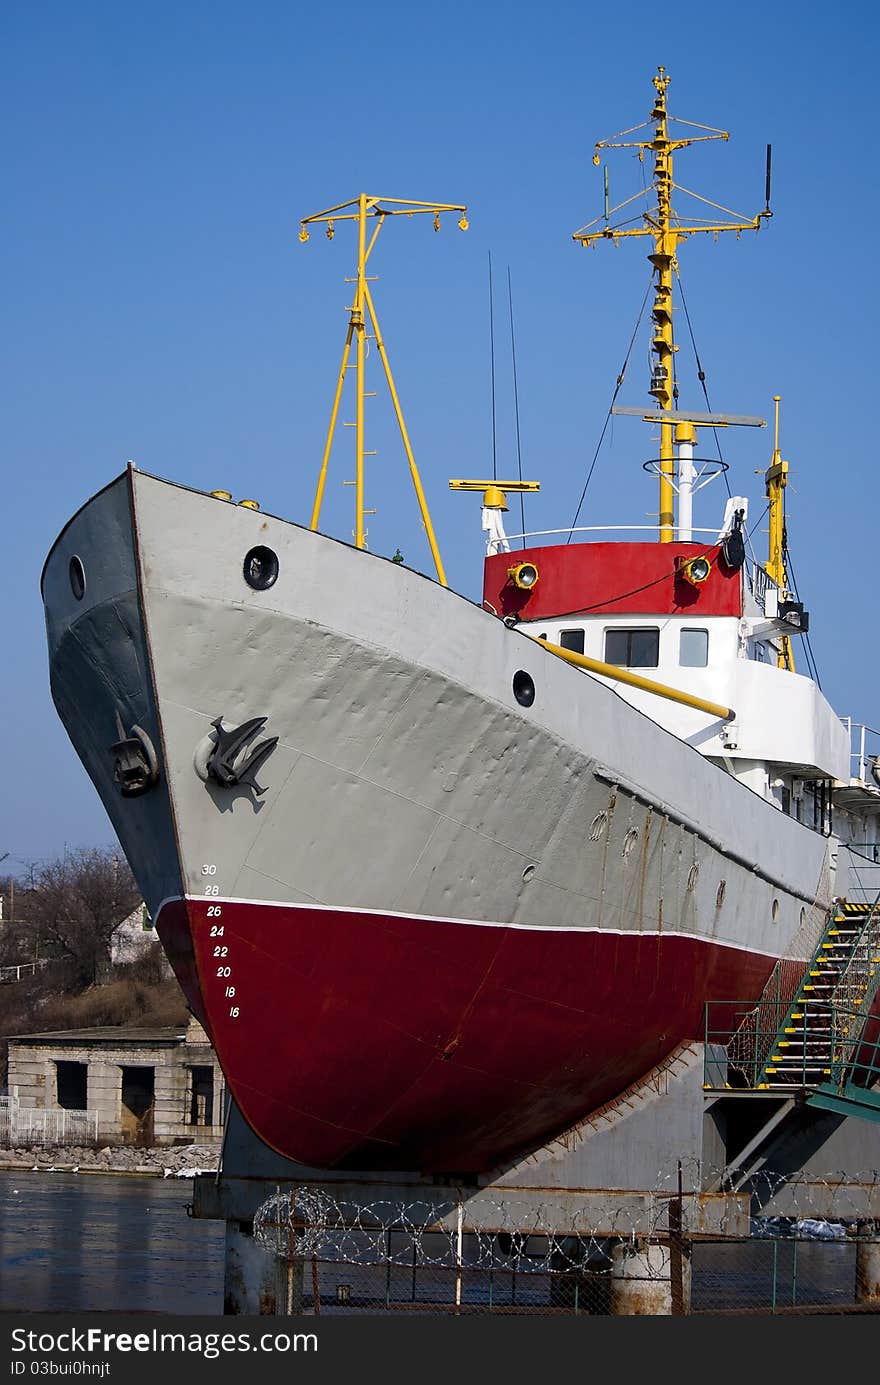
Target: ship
442,877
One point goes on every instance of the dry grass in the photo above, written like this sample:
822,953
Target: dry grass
132,997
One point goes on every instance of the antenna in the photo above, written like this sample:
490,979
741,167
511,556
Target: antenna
361,312
522,506
767,211
492,364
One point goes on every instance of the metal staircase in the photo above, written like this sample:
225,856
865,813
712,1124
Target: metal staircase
848,962
822,1045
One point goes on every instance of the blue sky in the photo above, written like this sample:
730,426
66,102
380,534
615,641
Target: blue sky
158,305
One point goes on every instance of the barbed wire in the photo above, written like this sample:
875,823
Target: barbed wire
555,1235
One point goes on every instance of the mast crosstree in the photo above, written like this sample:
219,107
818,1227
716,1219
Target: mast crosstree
666,228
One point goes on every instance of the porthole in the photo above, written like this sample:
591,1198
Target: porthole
774,910
260,568
693,875
529,872
523,688
720,893
77,575
803,917
629,841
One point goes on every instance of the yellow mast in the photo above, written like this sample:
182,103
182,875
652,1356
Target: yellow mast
363,315
776,479
667,229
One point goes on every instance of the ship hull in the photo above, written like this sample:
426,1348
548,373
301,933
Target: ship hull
368,1040
460,922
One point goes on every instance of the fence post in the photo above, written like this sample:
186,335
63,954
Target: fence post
458,1240
677,1251
867,1263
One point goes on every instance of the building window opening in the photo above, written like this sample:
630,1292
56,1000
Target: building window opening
693,648
72,1086
138,1098
638,648
201,1096
572,639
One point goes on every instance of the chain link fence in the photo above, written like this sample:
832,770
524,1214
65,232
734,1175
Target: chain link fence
333,1255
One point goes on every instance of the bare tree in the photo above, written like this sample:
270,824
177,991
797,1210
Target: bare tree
77,904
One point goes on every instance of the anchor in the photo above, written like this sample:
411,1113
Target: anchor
136,768
224,764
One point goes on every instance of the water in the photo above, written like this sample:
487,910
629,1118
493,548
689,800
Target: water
95,1242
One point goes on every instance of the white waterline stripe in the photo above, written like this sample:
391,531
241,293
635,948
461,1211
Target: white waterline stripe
476,923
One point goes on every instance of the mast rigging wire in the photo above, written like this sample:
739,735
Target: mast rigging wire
608,416
701,374
808,648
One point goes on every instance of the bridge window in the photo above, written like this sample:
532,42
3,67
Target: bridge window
572,639
638,648
693,648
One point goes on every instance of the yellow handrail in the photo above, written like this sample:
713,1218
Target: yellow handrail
635,680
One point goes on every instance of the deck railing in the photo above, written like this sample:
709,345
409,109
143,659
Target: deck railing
740,1039
864,750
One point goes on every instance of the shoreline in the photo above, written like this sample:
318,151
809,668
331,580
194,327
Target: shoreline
175,1161
114,1170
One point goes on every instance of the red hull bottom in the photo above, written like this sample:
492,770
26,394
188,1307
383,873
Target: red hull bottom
364,1040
